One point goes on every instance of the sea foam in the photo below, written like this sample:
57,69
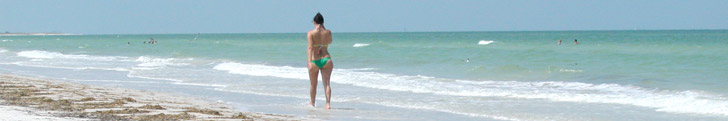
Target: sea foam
146,61
37,54
661,100
485,42
360,45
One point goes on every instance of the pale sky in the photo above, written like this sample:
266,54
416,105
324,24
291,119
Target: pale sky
295,16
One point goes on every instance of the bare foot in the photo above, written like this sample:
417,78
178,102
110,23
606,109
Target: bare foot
312,104
328,106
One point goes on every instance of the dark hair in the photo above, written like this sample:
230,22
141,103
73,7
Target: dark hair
319,19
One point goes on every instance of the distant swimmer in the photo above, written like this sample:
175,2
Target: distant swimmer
576,42
198,34
151,41
467,60
559,41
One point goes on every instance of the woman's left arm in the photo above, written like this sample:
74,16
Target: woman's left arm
309,38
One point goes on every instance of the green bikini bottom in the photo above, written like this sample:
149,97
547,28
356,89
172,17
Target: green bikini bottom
321,62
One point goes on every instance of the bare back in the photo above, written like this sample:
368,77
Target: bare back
318,37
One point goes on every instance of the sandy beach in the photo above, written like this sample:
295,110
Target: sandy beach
28,98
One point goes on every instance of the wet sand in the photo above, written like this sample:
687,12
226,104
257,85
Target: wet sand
42,99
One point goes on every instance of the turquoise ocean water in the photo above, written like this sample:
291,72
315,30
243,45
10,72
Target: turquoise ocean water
609,75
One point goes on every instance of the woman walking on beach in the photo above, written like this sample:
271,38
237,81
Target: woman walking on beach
319,58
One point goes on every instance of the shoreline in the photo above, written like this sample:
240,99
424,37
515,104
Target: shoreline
52,99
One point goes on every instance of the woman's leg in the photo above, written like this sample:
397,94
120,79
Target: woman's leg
325,77
313,77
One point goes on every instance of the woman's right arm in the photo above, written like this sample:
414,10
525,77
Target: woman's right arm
331,39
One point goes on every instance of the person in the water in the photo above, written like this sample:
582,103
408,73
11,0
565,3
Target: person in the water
559,41
319,58
576,42
152,41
